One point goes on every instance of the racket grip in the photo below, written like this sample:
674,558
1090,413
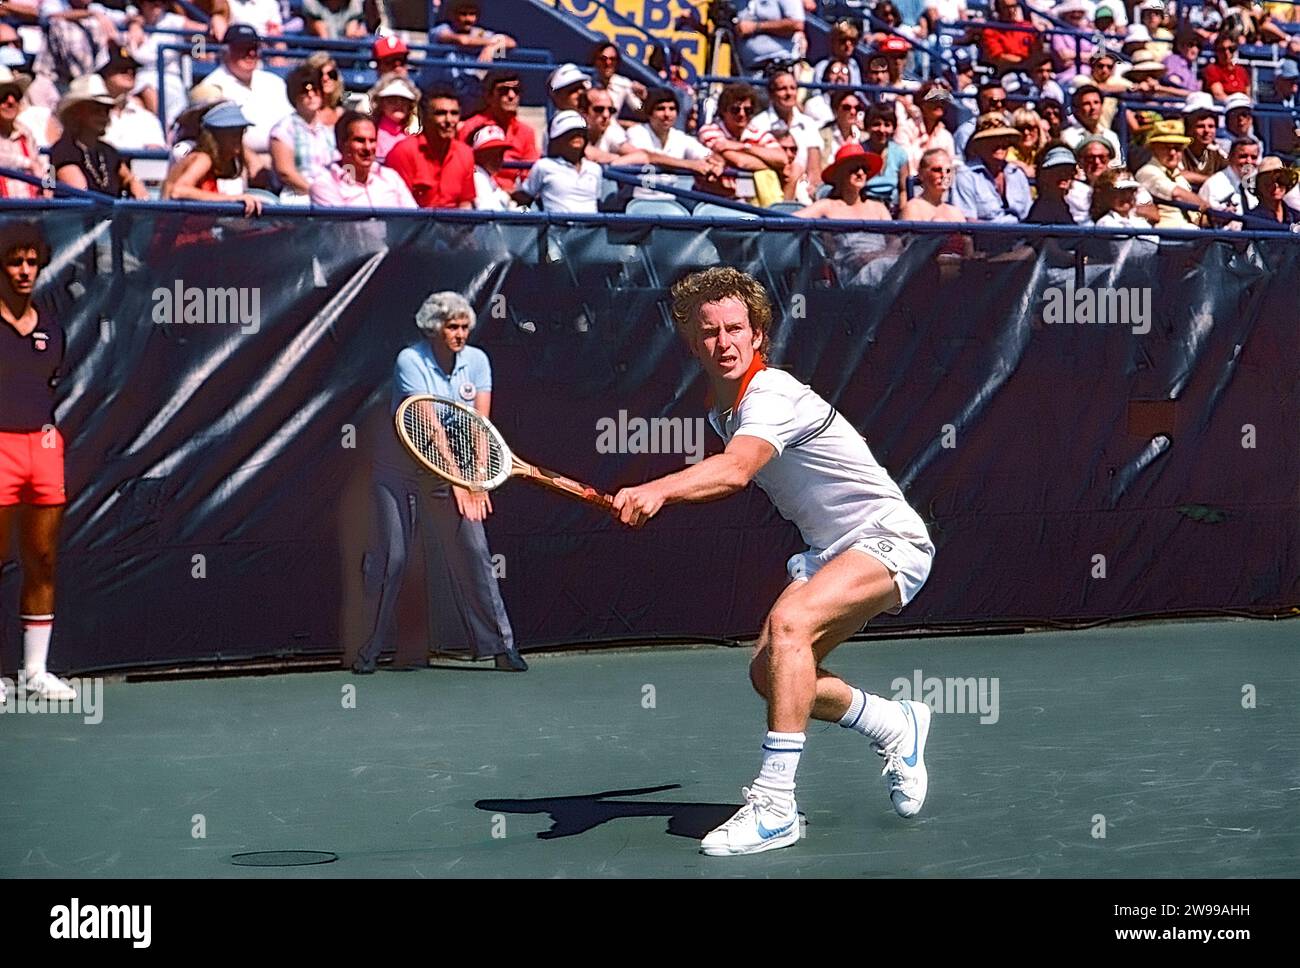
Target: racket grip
591,496
565,485
605,501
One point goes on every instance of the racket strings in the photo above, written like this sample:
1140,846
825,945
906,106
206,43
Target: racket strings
455,441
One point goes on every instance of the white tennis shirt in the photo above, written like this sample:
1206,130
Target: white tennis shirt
823,478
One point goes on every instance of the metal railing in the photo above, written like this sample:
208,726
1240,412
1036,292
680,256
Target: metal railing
360,77
748,217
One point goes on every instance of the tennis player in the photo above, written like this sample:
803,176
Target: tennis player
869,553
467,605
31,448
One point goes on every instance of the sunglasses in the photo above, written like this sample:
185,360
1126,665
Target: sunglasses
741,110
601,109
1228,48
10,95
245,51
848,106
997,102
503,89
1026,127
939,170
606,59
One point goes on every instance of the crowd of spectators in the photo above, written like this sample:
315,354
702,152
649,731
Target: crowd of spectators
1120,113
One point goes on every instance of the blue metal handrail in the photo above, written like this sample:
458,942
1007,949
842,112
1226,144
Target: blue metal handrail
356,45
764,222
59,188
303,54
626,176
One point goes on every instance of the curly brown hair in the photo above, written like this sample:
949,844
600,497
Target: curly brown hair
713,285
22,236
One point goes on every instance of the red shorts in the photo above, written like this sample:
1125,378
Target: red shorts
31,468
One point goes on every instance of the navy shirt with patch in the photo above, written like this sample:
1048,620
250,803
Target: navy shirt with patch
28,365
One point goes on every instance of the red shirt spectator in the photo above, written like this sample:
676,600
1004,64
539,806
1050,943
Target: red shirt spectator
1234,79
1224,75
437,180
1004,48
1006,45
438,169
501,106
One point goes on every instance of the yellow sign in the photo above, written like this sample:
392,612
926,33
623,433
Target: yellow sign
655,17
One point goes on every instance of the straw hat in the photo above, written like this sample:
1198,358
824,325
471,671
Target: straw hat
9,79
1168,133
89,88
1145,62
1274,169
992,125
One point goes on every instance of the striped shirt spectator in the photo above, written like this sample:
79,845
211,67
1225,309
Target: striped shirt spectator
735,137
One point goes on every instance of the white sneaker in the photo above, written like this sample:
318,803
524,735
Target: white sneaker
757,826
906,775
49,686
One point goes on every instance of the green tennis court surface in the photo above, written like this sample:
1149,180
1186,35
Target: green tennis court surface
461,771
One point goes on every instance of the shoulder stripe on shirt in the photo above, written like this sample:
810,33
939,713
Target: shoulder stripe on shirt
816,432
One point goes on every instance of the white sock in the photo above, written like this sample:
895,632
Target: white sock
36,643
880,720
780,761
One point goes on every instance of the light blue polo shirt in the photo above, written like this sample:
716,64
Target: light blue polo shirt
417,371
758,48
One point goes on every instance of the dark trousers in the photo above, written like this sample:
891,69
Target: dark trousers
464,600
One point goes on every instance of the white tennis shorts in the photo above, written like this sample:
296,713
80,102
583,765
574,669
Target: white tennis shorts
908,563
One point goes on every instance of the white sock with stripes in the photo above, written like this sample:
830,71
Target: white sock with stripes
781,753
880,720
36,643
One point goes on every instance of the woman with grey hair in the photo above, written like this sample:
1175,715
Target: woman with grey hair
466,607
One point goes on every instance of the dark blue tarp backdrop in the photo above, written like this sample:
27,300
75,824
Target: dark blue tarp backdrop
1042,456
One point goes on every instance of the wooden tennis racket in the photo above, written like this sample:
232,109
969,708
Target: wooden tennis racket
461,446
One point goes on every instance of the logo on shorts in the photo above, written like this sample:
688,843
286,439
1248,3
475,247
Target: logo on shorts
467,391
882,548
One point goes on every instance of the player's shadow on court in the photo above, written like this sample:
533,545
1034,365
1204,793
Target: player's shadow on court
577,815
